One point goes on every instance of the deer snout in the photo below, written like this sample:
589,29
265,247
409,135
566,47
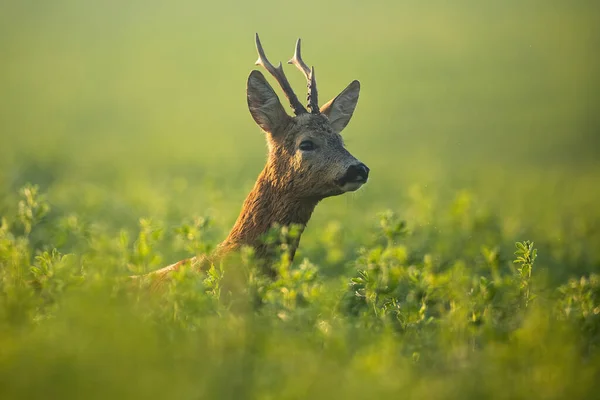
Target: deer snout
356,175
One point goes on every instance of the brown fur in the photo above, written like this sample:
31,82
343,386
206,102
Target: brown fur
293,181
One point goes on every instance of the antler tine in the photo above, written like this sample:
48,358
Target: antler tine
298,62
309,74
279,75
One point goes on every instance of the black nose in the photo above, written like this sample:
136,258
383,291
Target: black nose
357,173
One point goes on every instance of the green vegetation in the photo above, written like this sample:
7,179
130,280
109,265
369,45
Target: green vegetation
126,144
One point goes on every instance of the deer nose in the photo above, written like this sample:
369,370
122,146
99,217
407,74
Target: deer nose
365,170
357,173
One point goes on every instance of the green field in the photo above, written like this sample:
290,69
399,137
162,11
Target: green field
126,144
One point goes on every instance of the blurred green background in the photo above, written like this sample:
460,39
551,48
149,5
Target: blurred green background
479,120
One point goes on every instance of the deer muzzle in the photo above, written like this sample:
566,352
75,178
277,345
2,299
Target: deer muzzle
356,175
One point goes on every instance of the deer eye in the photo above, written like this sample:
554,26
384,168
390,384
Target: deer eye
307,145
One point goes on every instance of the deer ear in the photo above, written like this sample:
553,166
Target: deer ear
264,105
340,110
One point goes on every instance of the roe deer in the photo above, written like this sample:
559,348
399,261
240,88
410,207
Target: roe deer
307,161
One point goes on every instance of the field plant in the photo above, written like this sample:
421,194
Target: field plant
404,322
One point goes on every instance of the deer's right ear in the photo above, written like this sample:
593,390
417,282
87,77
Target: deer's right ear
264,105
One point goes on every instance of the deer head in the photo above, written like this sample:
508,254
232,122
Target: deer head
307,157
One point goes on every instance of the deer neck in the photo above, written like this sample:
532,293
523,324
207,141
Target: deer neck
270,202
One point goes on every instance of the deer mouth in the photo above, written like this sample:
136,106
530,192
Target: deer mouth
352,186
347,184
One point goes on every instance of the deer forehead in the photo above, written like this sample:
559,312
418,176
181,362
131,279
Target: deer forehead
312,122
312,127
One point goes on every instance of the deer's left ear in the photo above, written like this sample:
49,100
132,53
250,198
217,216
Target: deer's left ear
340,109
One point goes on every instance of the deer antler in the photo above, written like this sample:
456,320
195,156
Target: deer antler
280,77
309,73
